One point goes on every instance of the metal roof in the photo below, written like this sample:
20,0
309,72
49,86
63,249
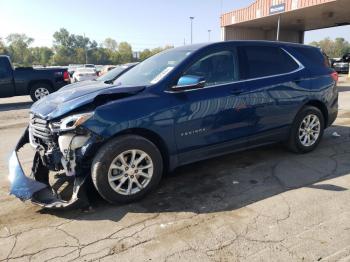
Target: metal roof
296,14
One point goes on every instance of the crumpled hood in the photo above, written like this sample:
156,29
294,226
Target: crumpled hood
76,95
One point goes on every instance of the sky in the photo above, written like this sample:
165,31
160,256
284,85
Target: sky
143,23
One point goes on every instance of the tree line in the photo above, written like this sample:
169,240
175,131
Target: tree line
77,49
71,49
333,48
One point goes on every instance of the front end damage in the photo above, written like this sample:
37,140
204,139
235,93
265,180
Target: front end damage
63,151
63,147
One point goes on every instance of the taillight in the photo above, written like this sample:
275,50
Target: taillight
335,76
66,76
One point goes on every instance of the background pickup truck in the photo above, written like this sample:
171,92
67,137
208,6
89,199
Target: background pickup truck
28,81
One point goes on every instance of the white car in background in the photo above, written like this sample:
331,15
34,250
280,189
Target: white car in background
84,73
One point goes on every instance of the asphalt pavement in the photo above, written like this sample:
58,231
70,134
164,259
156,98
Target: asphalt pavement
265,204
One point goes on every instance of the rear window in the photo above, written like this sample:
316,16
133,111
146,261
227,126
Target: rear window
261,61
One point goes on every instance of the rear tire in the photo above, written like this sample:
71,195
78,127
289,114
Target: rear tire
40,90
307,130
126,160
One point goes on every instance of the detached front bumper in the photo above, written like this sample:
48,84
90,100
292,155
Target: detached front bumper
36,187
22,186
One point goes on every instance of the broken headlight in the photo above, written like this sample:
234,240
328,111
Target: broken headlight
71,122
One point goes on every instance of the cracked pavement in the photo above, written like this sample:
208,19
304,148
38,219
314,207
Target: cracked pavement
264,204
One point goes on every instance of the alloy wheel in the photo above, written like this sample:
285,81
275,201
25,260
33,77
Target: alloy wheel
130,172
41,92
309,130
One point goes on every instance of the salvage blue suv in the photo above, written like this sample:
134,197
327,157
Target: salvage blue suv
177,107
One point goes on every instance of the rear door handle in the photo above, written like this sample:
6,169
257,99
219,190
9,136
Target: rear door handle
236,91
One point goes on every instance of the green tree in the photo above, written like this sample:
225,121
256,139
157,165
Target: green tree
79,41
41,55
146,53
125,52
341,47
63,56
333,48
110,44
63,44
62,38
70,48
3,49
18,49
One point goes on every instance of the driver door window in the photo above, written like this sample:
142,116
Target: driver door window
218,68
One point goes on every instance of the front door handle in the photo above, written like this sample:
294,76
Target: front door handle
236,91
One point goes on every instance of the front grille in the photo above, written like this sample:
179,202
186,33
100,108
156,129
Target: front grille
39,128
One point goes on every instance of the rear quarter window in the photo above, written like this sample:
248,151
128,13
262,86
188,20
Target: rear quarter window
262,61
313,56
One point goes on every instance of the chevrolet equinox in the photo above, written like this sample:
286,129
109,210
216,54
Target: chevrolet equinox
180,106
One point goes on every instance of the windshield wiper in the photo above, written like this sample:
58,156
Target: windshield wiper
108,81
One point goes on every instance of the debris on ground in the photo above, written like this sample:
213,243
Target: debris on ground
335,134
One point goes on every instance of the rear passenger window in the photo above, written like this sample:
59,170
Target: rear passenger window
261,61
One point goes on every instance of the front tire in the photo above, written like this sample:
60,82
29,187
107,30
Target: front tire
307,130
39,91
126,169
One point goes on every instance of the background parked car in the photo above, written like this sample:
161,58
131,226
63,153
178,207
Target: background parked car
90,66
102,81
73,67
99,69
84,73
29,81
106,69
341,65
117,71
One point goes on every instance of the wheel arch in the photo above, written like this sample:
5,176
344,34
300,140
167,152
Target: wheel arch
151,136
321,106
37,81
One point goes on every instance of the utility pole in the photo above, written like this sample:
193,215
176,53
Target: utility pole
278,28
86,56
209,31
191,19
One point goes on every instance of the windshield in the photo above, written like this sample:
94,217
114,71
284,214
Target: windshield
111,75
153,69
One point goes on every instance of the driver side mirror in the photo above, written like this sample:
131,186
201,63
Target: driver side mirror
188,82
